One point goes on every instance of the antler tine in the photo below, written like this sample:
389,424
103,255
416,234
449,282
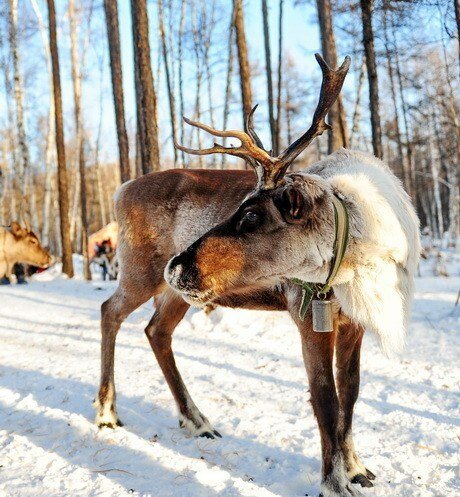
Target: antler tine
330,90
270,170
249,128
247,150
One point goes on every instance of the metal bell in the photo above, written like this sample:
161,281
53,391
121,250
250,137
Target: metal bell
322,316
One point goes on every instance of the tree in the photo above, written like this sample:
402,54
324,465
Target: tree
146,100
116,71
49,152
24,163
268,72
457,20
169,84
228,81
243,59
280,79
368,42
67,265
401,172
79,131
338,135
357,109
180,55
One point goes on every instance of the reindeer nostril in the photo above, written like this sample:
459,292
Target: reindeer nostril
180,272
173,271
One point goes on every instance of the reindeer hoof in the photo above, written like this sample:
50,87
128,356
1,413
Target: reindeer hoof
370,475
364,481
108,419
108,424
199,427
213,435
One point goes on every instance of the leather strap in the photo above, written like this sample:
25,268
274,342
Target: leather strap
342,226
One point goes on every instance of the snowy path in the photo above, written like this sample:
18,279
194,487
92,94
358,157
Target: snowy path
244,370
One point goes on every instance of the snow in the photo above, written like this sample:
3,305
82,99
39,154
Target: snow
244,370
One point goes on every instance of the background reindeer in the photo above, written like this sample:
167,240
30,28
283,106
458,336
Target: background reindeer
282,228
19,244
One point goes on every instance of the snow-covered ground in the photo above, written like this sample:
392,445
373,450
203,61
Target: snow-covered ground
244,370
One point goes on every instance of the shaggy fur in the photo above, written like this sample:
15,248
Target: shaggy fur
376,283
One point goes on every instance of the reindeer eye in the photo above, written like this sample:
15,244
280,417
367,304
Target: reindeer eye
33,241
251,217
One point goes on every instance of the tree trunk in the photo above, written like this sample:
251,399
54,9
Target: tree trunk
145,91
169,85
434,171
338,135
245,71
268,72
209,22
457,19
24,162
401,172
12,140
50,145
280,80
357,111
368,42
97,165
198,78
409,162
67,265
79,131
116,71
228,83
180,55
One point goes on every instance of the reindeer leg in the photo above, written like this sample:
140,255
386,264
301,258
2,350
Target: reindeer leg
170,309
113,312
348,348
318,352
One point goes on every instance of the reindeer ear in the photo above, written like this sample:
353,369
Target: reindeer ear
293,205
16,229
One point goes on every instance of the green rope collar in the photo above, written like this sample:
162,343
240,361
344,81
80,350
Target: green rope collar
309,290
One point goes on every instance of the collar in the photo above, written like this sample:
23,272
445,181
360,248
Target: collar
310,290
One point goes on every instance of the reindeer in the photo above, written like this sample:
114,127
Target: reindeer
194,237
20,245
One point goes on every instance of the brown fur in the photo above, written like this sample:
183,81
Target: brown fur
219,261
20,245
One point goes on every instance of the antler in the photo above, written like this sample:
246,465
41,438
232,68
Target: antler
249,149
270,170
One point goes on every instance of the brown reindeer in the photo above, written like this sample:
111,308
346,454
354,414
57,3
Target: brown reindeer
245,244
19,244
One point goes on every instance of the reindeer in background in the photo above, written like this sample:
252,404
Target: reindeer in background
19,244
262,245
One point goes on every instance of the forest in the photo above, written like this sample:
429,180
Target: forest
87,102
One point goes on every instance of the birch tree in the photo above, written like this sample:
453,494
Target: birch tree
24,160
